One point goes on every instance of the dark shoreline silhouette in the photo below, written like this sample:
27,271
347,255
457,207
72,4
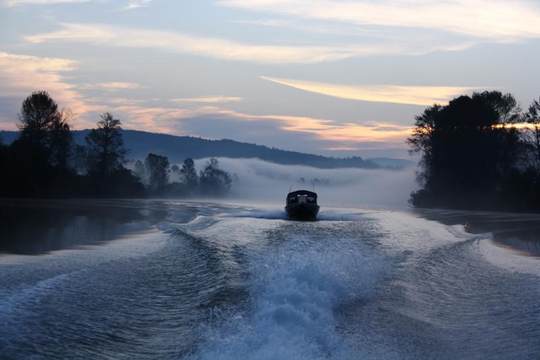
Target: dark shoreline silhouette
479,152
44,161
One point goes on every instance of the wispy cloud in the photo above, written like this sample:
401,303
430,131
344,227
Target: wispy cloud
19,75
395,94
131,4
111,86
182,43
323,129
334,131
310,27
150,118
492,19
42,2
208,99
22,74
170,119
106,35
135,4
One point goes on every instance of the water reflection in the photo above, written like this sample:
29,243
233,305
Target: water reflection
517,232
33,227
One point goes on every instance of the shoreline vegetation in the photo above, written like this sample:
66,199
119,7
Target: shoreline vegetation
479,152
45,162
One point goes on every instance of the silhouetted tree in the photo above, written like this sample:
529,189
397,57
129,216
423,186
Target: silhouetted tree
46,129
3,164
213,180
140,171
38,113
157,170
80,159
44,162
40,156
60,142
468,150
532,117
189,174
175,174
106,152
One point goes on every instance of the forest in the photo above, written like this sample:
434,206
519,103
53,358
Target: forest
478,152
44,161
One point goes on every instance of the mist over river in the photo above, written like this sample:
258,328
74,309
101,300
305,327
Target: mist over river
169,279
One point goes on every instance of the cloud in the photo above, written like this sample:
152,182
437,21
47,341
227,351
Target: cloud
135,4
395,94
323,129
19,75
99,34
42,2
296,132
338,132
296,25
106,35
111,86
213,121
150,118
208,99
489,19
131,4
22,74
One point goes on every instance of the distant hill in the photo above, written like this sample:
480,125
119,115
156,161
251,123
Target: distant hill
178,148
392,163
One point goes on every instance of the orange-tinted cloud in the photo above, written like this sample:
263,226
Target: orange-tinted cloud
22,74
396,94
323,129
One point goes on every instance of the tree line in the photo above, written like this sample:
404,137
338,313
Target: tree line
45,161
479,152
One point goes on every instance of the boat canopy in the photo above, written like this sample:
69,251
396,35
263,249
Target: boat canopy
301,192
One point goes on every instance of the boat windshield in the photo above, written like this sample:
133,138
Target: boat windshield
302,198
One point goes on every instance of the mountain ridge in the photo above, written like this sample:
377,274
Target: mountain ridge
177,148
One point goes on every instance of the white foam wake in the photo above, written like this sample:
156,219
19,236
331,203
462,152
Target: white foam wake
294,293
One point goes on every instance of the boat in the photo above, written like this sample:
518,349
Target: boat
302,205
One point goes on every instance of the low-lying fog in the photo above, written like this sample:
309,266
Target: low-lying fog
254,179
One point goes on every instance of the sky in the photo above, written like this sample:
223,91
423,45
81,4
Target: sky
332,77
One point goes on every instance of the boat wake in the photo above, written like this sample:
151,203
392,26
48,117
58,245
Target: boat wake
217,281
280,214
294,292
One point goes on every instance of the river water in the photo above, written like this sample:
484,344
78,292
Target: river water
164,279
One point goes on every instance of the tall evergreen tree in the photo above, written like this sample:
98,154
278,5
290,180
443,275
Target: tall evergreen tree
38,114
189,174
60,142
157,170
42,151
106,152
532,117
213,180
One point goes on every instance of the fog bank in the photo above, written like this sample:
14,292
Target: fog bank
259,180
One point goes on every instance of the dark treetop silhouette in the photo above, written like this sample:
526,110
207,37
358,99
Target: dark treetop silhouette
475,154
44,161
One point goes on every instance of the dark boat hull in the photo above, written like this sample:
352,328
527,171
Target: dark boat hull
304,212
